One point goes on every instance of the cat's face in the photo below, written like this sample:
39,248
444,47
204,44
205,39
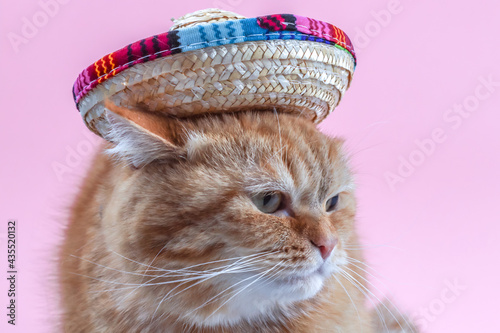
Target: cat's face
238,215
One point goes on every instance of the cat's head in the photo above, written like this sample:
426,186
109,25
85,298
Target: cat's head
228,216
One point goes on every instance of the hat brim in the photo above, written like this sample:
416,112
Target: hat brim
289,62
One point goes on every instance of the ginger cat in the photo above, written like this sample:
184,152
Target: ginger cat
240,222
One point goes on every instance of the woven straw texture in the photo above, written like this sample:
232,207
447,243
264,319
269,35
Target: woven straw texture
296,76
204,16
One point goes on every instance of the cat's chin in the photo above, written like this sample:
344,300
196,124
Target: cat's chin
294,287
298,287
271,299
276,300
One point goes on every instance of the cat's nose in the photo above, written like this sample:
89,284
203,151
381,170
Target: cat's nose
325,246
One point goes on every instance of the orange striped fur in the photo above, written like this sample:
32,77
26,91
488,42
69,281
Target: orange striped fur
149,235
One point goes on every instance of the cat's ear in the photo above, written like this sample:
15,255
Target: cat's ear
139,137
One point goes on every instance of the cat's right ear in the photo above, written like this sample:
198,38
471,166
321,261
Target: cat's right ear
139,137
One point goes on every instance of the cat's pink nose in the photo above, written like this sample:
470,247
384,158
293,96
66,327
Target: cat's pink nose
325,246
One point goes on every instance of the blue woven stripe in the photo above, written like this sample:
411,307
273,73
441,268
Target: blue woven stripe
231,32
217,31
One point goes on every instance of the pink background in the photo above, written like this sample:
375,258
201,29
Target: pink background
436,226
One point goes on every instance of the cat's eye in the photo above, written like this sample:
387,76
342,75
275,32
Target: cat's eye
267,202
331,203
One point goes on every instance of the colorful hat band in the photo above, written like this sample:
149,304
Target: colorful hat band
213,61
272,27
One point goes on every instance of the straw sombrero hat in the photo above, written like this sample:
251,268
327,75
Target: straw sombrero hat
214,61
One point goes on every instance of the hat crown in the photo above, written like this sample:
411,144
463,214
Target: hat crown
215,61
208,15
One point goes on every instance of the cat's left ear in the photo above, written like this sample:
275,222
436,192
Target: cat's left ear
140,137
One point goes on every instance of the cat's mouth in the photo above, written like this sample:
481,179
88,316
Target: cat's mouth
321,272
303,285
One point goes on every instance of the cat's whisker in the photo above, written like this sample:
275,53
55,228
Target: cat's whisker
390,302
134,273
358,286
352,153
368,296
136,286
179,292
382,303
357,263
214,298
225,270
102,280
274,276
259,276
243,263
134,261
243,258
156,256
240,258
237,266
269,279
220,270
185,269
199,275
352,301
205,279
366,132
110,268
277,152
